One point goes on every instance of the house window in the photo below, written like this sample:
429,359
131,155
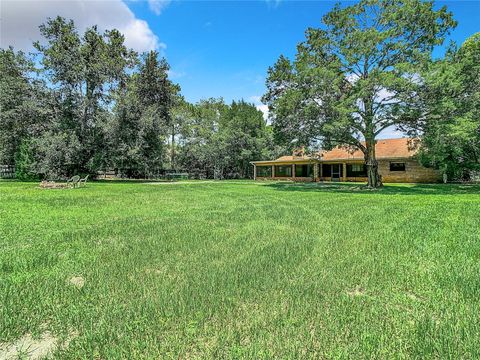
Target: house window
283,171
356,170
264,171
326,170
303,170
357,167
332,170
397,166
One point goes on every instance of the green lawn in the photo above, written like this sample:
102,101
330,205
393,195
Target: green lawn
243,270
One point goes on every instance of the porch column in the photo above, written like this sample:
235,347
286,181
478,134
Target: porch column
320,167
344,171
273,171
254,172
293,171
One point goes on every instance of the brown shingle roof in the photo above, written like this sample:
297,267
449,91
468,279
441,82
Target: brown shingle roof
385,148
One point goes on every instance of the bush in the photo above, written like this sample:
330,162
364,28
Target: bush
24,162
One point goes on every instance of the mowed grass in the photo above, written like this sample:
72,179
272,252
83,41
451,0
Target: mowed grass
243,270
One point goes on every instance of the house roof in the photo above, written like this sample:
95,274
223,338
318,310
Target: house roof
385,148
293,158
288,159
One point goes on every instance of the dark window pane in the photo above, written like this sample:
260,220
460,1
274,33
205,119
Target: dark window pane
337,171
299,170
397,166
283,171
303,170
332,170
264,171
326,170
356,170
357,167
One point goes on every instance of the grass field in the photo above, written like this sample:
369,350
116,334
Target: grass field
242,270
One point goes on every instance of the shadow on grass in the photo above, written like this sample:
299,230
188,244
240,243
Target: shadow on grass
387,189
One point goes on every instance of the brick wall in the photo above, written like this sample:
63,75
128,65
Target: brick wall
414,172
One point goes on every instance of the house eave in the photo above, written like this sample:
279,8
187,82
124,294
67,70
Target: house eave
309,161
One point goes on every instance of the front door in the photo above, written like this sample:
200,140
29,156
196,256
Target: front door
336,172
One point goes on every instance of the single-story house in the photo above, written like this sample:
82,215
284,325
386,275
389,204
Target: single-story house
396,163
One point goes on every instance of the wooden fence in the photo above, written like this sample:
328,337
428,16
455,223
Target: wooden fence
7,172
151,174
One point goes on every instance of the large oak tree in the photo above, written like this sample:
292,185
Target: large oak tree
355,76
81,73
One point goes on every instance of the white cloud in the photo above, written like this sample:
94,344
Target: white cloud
264,109
352,78
258,104
391,133
157,6
20,21
172,74
273,3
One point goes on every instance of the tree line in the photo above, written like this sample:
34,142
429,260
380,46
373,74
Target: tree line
85,103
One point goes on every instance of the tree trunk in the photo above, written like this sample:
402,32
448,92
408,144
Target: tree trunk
372,166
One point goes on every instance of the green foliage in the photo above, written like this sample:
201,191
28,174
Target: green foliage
355,76
243,270
57,155
95,104
24,162
84,71
23,103
450,101
143,118
219,140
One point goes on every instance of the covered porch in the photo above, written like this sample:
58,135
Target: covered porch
310,170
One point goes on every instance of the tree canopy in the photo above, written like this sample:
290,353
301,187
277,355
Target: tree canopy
355,76
85,103
450,106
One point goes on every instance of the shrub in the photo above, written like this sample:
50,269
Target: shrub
25,162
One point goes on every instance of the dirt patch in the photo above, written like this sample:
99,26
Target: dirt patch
77,281
53,185
414,296
34,348
154,271
357,291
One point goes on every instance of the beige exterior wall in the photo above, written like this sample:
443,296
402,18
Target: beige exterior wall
414,172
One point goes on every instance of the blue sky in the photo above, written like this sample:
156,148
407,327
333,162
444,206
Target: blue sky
224,48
